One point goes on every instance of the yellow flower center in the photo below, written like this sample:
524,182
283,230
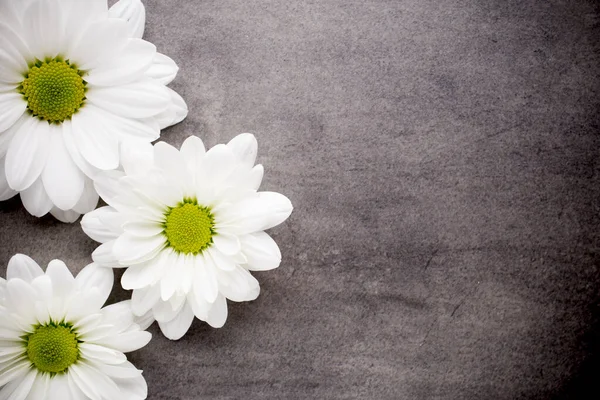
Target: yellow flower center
52,348
189,227
54,90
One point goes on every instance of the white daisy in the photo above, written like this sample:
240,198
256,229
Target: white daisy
76,81
56,340
189,225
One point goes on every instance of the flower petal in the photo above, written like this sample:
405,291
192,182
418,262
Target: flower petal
98,42
68,216
133,12
23,267
217,315
134,59
98,145
94,226
94,276
245,147
177,327
27,153
62,279
36,200
163,69
12,107
176,111
63,180
131,249
141,99
261,251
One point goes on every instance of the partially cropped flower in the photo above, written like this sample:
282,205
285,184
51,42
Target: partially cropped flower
58,343
189,225
76,81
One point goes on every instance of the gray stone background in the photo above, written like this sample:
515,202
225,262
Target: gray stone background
442,157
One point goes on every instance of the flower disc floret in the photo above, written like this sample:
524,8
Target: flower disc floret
53,348
54,90
189,227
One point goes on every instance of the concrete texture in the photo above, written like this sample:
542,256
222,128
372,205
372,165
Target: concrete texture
442,157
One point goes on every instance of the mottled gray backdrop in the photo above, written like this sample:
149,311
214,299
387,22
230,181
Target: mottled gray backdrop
442,157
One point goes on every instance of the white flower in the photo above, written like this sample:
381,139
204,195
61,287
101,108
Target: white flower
76,81
189,225
56,340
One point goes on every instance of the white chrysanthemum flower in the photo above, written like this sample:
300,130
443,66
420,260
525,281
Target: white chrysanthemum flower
189,226
56,340
76,81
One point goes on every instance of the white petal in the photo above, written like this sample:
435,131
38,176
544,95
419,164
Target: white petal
265,210
23,267
205,282
94,384
127,341
12,107
43,24
103,255
7,136
94,226
261,251
94,276
163,69
255,177
133,60
133,12
10,69
40,387
69,140
144,321
132,388
58,385
89,198
219,162
62,279
27,153
170,160
13,372
141,99
108,186
240,285
98,145
62,179
131,249
124,370
142,300
145,274
137,157
101,354
217,315
68,216
19,388
226,243
143,228
192,151
5,191
176,111
177,327
36,200
97,43
244,146
19,51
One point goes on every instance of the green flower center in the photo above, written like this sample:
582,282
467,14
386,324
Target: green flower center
189,227
54,90
52,348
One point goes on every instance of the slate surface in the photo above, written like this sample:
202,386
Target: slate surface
442,157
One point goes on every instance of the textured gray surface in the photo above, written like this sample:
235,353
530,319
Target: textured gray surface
442,157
